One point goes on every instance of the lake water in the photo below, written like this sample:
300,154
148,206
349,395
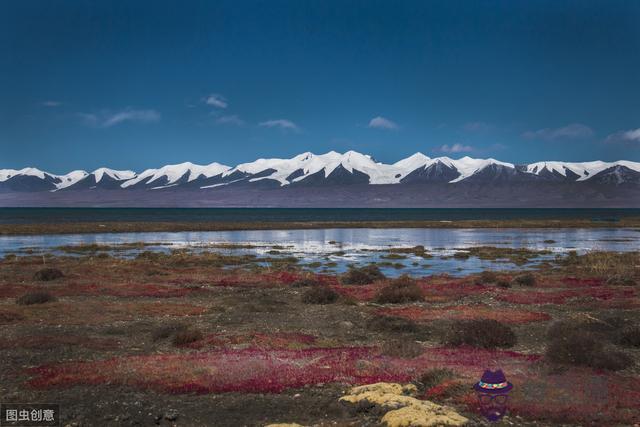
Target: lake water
345,247
56,215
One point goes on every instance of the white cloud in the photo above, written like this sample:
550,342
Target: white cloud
632,135
455,148
571,131
230,120
106,119
216,100
382,123
51,103
280,123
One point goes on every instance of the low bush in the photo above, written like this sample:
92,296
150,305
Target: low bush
392,324
488,277
165,331
186,336
621,280
482,333
629,336
35,298
401,290
306,281
434,377
585,348
320,295
527,279
503,284
362,275
47,274
405,349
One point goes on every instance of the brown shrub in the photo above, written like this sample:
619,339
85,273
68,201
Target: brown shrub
483,333
306,281
434,377
629,336
186,336
401,290
526,279
37,297
406,349
362,275
621,280
392,324
488,277
165,331
585,348
503,284
47,274
320,295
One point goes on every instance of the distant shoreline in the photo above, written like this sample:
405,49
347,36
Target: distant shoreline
139,226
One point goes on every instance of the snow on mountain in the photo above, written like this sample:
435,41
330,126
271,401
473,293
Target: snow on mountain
332,168
6,174
70,179
170,174
584,170
307,164
113,174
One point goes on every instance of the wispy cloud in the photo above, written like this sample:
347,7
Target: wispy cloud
281,124
455,148
107,119
571,131
51,103
216,100
632,135
230,120
477,127
382,123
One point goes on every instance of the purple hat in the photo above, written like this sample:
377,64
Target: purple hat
493,382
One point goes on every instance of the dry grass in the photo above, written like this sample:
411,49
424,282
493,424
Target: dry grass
402,290
480,333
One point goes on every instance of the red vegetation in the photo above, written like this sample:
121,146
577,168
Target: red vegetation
465,312
561,297
267,371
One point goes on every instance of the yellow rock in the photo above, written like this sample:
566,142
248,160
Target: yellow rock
404,410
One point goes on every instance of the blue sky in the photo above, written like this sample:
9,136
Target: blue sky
137,84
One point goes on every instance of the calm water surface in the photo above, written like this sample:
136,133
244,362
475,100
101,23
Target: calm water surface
353,246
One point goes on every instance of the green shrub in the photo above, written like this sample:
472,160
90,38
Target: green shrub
482,333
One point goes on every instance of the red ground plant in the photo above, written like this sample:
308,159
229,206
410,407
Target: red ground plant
465,312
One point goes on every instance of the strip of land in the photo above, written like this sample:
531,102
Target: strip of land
139,226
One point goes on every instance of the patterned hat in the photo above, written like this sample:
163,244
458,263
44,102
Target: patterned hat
493,382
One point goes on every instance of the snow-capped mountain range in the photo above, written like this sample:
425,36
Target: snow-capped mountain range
333,179
330,168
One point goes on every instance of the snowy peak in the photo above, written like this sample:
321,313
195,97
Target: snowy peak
578,171
331,168
171,174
